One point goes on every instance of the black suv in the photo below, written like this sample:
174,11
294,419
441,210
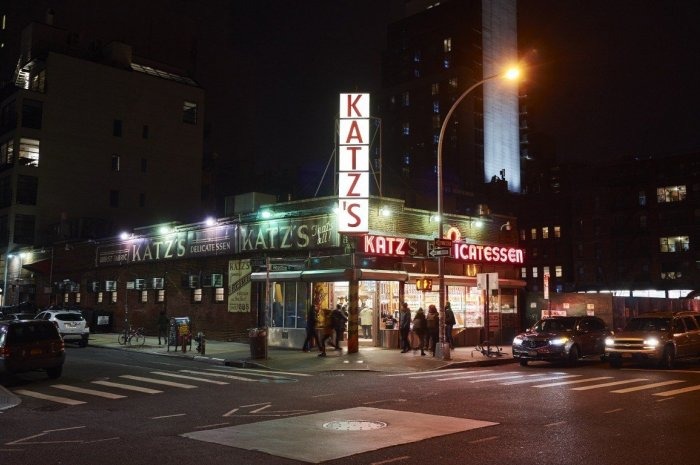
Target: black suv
561,338
27,345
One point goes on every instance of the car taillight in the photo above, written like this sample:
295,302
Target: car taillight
4,352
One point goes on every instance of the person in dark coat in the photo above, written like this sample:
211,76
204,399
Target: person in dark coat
450,321
163,324
419,327
311,318
433,325
338,319
405,327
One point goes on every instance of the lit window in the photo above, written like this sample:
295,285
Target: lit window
77,297
113,297
557,232
416,56
674,244
446,63
436,107
7,152
558,271
100,297
406,129
218,294
28,152
405,99
545,232
670,194
406,159
197,295
545,270
144,297
447,45
523,235
160,297
534,272
533,233
454,82
435,89
189,112
642,198
523,272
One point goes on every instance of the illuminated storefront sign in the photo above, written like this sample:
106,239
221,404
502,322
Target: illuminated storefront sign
353,164
389,246
487,253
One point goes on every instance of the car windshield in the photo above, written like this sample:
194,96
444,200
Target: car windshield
648,324
555,324
69,317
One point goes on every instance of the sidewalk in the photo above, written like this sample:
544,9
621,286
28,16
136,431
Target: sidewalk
367,359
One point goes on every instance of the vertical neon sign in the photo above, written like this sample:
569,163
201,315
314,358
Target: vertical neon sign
353,164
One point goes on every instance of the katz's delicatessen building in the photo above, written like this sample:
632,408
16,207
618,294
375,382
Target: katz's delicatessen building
266,267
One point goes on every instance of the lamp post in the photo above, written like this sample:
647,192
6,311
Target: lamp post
8,256
511,74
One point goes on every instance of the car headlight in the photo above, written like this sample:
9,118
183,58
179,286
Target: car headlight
609,341
651,342
518,341
560,341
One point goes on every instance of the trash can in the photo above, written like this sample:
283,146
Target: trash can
258,342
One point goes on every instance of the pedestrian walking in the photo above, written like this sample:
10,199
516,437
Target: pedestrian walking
420,328
338,320
405,327
163,324
311,319
432,321
450,321
366,321
324,330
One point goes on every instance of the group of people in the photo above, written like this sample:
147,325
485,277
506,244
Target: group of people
426,327
322,326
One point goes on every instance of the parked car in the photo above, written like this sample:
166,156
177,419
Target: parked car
562,339
660,337
70,323
27,345
18,316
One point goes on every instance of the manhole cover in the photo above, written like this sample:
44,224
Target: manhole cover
354,425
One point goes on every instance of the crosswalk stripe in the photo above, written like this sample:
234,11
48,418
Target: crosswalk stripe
92,392
473,374
537,380
677,391
578,381
128,387
159,381
614,383
253,370
39,395
256,373
428,375
647,386
498,378
175,375
219,375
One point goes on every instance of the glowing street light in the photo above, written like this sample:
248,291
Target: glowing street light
510,74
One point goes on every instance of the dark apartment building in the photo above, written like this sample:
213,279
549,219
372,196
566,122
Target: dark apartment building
433,55
630,227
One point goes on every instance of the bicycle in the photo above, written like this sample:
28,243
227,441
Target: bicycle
488,350
132,337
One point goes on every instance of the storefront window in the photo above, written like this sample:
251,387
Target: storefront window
289,304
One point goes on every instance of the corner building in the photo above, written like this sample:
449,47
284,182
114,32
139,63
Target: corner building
250,271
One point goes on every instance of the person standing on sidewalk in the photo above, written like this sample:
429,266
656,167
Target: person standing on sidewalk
338,320
420,329
163,324
433,324
404,327
449,324
311,319
324,329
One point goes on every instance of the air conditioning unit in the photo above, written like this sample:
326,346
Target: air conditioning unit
110,286
217,280
157,283
194,281
139,284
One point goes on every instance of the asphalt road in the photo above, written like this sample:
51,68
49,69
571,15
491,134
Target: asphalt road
192,412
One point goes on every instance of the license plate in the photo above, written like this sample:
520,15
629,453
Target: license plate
532,353
35,352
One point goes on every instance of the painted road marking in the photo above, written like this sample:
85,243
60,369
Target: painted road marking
614,383
540,378
647,386
92,392
578,381
678,391
175,375
159,381
128,387
39,395
218,375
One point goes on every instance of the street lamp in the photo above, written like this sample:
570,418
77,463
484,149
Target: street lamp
510,74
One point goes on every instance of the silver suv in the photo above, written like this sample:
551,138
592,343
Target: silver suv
70,323
661,337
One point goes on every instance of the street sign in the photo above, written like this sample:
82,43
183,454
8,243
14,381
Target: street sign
440,253
440,243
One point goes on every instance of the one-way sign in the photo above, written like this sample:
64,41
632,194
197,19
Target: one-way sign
440,253
441,243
